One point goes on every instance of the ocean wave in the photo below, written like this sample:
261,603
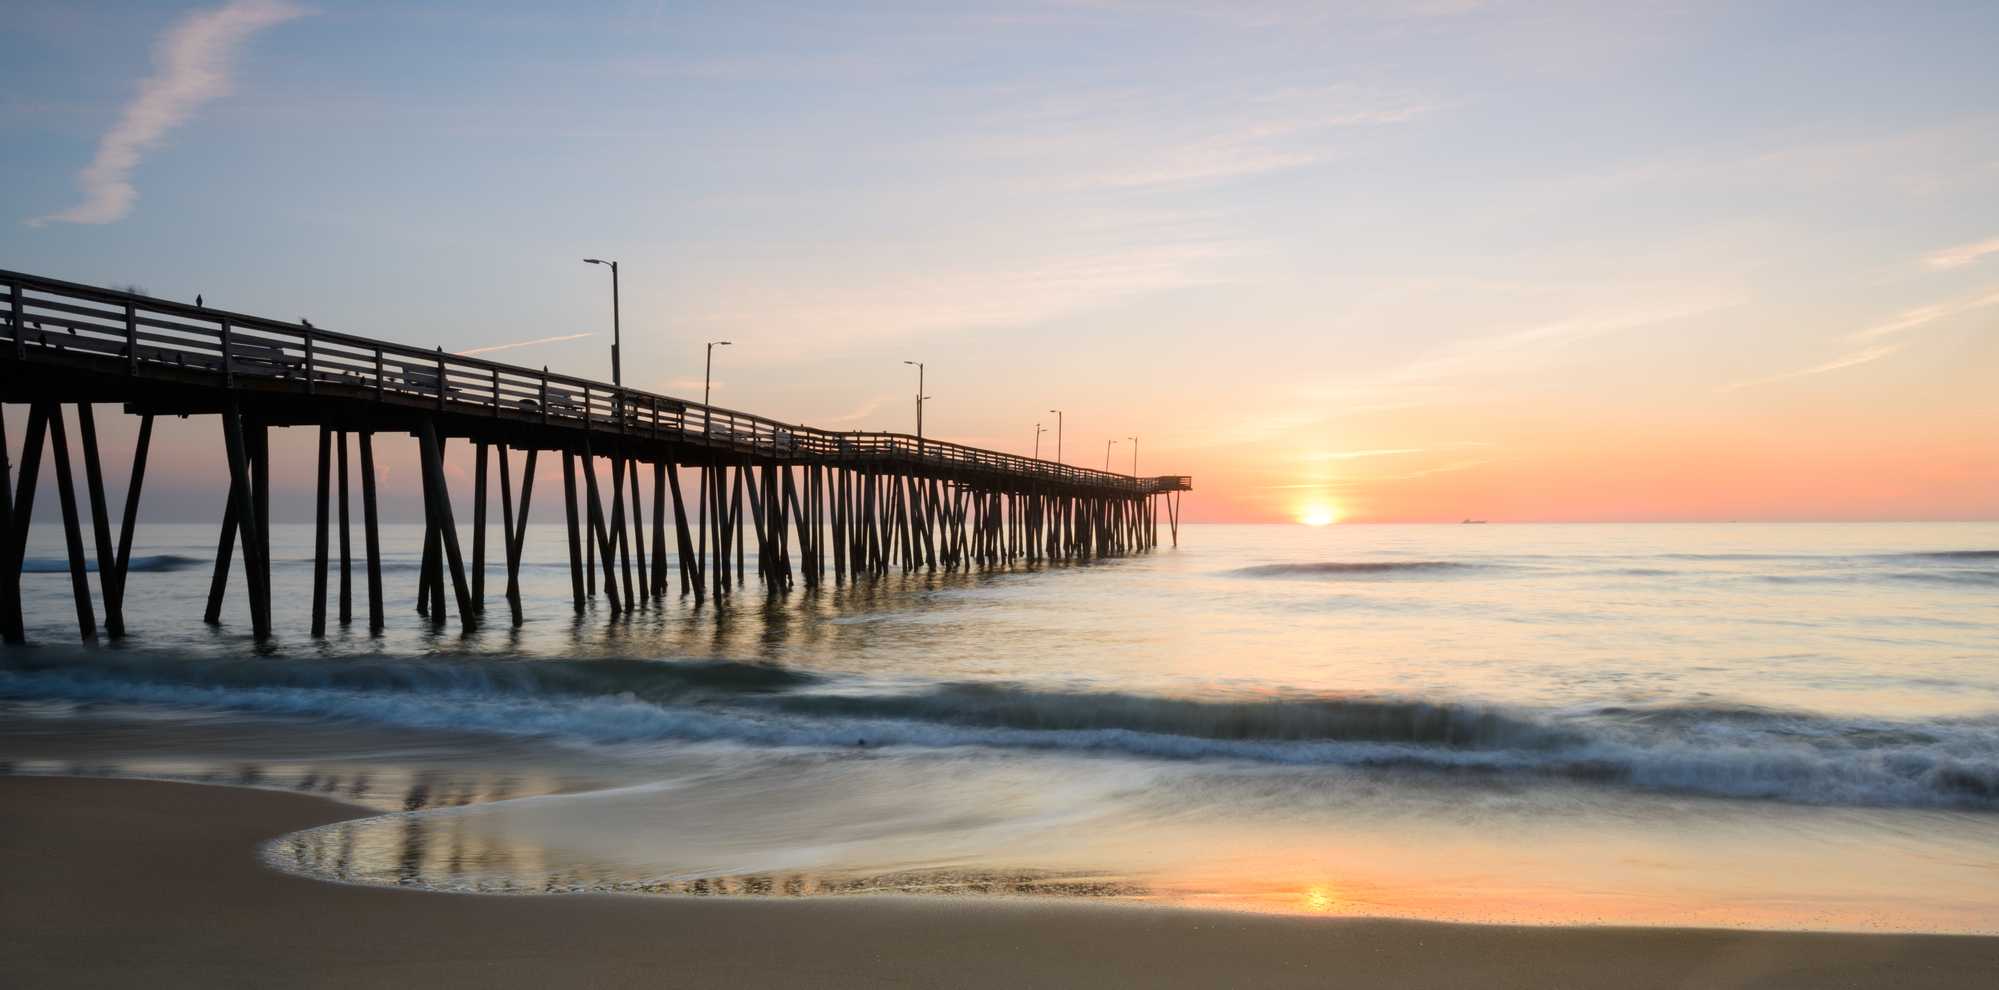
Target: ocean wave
1971,577
60,565
1340,569
1716,750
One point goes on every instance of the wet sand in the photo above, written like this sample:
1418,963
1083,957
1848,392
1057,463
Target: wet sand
118,883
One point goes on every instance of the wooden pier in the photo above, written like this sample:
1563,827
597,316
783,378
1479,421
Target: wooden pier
733,497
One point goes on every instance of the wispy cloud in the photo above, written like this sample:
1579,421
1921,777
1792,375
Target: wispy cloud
1506,351
1861,356
816,313
1905,320
1371,481
192,65
1435,377
1961,255
1924,314
524,343
1348,455
869,407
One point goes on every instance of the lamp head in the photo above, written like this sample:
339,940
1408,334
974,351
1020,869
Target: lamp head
592,261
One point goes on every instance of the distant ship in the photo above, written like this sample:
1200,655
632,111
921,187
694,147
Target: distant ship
1475,521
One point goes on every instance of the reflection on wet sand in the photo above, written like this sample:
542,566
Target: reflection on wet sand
378,788
440,852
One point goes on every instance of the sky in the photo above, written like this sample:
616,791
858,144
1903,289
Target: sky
1369,261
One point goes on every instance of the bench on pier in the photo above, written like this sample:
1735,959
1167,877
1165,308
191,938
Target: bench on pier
559,401
255,358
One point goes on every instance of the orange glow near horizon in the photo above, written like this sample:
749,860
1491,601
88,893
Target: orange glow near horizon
1521,463
1409,883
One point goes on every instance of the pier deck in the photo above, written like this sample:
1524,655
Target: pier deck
865,502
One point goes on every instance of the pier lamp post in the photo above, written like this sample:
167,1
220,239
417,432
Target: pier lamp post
708,376
1038,431
1134,455
707,380
919,405
1058,434
1108,444
617,375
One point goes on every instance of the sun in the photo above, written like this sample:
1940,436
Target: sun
1318,516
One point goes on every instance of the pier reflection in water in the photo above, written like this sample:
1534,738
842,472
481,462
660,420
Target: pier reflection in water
450,853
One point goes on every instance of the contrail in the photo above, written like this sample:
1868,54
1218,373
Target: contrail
191,64
524,343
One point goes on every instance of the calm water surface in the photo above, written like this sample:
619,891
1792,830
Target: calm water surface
1790,726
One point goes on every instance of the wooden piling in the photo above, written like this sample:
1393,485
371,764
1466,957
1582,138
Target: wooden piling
835,509
346,537
701,526
576,573
658,528
718,477
479,528
736,515
617,537
13,628
690,563
86,616
638,531
130,509
589,528
322,519
371,535
100,522
218,583
599,536
517,530
429,574
432,450
257,446
758,496
24,491
242,484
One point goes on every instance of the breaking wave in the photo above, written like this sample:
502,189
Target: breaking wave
1360,569
1722,751
60,565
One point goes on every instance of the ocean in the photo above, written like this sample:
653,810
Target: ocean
1789,726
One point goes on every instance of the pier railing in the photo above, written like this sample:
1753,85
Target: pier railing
152,338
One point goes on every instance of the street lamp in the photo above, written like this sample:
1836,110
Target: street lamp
1134,455
1108,444
617,376
1038,431
707,379
1058,434
708,376
919,402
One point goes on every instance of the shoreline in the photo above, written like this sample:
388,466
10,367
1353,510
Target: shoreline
118,881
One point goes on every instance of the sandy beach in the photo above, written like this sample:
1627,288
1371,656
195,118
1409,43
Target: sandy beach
115,883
